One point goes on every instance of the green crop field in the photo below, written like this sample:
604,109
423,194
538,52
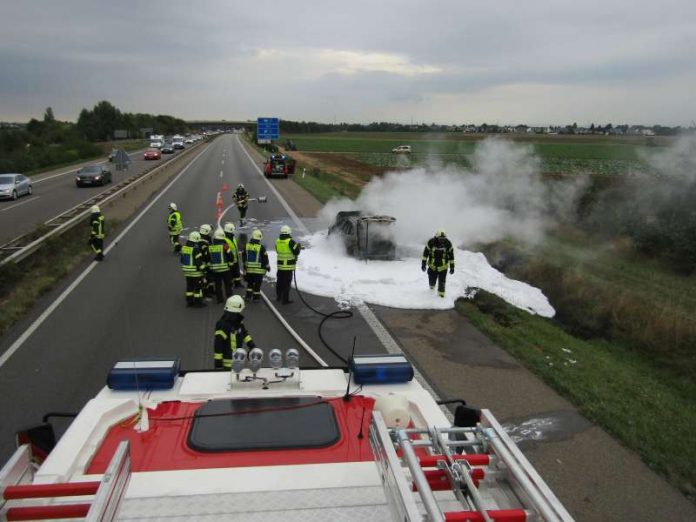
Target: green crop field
558,154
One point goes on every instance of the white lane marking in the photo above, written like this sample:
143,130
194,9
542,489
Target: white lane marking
19,204
299,224
368,315
220,174
223,160
55,304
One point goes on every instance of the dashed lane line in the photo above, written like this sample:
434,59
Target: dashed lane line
57,302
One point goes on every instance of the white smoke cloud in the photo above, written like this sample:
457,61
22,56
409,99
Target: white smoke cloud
501,196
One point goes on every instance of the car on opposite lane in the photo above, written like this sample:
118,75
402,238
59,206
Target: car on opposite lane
13,186
93,175
152,154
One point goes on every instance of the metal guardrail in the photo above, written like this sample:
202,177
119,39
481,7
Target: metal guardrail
23,246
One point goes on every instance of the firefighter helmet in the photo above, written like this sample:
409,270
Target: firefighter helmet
256,234
95,209
241,186
235,304
194,237
440,233
219,233
229,228
172,206
205,229
285,230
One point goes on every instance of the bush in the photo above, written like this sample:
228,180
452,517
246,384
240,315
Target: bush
491,304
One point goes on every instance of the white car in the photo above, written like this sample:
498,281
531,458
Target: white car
14,185
156,144
402,149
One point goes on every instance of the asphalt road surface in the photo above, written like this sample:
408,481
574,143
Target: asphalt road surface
55,192
133,303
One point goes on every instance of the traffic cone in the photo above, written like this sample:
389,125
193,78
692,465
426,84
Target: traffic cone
220,206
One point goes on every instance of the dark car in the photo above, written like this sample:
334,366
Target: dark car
167,148
365,237
14,185
93,175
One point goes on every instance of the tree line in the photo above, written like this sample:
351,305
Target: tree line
49,142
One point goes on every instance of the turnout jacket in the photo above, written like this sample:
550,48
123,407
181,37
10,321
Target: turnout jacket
438,254
255,258
287,251
97,226
174,223
241,198
230,334
191,259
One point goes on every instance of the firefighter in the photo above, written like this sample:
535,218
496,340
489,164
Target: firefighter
288,251
230,333
96,233
255,260
193,266
234,254
241,199
438,254
206,232
175,226
220,265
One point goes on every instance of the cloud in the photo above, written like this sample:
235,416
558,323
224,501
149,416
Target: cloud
448,61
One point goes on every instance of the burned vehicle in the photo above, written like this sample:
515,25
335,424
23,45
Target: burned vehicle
366,236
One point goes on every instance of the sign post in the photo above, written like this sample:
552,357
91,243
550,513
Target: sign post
267,129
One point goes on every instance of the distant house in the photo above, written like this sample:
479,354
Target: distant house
521,129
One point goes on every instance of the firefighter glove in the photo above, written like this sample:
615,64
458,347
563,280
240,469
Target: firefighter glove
451,269
423,266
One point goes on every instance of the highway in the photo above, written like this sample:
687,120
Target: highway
133,305
55,192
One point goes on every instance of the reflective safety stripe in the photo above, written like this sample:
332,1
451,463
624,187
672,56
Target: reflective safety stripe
233,251
218,258
98,227
217,356
174,222
253,259
227,363
188,261
286,259
221,333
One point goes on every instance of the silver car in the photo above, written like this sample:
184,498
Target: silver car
14,185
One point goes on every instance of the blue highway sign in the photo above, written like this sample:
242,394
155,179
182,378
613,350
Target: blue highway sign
267,129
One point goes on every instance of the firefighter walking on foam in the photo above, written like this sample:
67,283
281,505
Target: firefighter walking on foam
438,254
255,259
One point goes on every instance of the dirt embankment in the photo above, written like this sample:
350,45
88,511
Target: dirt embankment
347,169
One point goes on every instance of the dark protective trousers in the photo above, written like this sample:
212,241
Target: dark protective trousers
253,288
194,290
236,278
439,277
174,239
97,245
222,280
242,212
283,285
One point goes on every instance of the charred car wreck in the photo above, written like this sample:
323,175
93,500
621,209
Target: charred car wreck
366,236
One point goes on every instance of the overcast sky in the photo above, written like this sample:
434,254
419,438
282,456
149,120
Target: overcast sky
456,61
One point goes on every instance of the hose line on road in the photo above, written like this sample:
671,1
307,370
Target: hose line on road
338,314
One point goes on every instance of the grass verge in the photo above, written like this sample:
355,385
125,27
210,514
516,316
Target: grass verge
643,406
21,285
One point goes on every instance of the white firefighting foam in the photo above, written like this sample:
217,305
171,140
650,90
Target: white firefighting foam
324,269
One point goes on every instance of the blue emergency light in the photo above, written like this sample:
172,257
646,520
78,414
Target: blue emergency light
381,369
143,374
